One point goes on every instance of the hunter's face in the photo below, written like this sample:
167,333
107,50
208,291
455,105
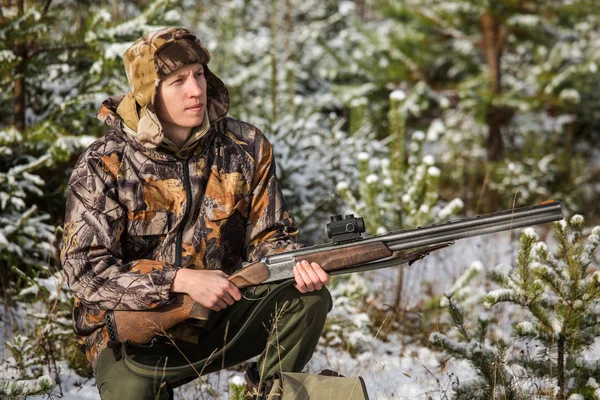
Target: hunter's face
181,98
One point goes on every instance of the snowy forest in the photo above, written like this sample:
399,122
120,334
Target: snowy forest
403,112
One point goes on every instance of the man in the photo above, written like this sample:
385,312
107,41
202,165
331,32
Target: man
172,200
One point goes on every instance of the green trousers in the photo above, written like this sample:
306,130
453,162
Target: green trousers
285,334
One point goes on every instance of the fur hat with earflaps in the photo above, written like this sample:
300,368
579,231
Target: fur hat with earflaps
150,59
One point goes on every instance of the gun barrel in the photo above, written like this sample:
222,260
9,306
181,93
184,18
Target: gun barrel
449,231
466,232
510,216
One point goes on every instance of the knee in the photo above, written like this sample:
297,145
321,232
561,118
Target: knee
315,305
318,301
116,381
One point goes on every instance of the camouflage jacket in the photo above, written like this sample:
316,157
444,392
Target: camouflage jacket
135,215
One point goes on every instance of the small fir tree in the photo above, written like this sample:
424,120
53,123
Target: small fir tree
560,293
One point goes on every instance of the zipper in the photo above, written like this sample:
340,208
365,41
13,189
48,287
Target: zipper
188,205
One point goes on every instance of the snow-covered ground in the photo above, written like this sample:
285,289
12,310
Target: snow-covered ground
391,368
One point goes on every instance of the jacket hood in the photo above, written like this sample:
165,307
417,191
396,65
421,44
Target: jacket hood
150,59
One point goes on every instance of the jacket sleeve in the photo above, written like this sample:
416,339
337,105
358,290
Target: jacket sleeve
91,254
272,228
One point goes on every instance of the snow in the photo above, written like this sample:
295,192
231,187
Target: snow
7,56
428,159
436,128
433,171
418,136
450,209
237,380
341,186
526,326
530,233
363,156
372,178
497,294
397,95
577,219
54,285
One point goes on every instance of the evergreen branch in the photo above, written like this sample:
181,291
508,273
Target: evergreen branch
482,328
542,315
457,315
446,29
537,366
503,296
24,276
29,387
28,167
522,334
51,49
502,279
548,276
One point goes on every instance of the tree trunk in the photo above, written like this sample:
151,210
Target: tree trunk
494,144
19,88
116,10
493,39
20,51
399,290
360,9
273,27
561,366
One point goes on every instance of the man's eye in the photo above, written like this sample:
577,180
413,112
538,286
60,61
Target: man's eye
176,81
200,73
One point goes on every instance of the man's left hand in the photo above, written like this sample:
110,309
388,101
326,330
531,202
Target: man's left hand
310,276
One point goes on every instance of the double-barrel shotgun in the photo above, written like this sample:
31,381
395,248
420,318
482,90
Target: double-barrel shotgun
347,253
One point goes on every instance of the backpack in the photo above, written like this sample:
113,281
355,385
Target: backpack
328,385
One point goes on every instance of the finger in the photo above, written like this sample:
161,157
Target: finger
312,275
323,276
234,292
301,289
299,281
307,281
221,304
227,298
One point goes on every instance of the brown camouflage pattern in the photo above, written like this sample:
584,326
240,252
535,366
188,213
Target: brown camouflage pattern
127,202
150,59
158,54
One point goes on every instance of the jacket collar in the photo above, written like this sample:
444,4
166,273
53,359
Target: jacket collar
109,116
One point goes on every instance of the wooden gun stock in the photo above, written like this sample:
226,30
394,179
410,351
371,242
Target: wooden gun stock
142,326
336,259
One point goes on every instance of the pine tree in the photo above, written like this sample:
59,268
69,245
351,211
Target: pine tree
560,294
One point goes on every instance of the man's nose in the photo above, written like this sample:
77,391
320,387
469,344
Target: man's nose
193,87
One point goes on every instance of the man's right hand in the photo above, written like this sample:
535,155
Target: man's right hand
211,288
